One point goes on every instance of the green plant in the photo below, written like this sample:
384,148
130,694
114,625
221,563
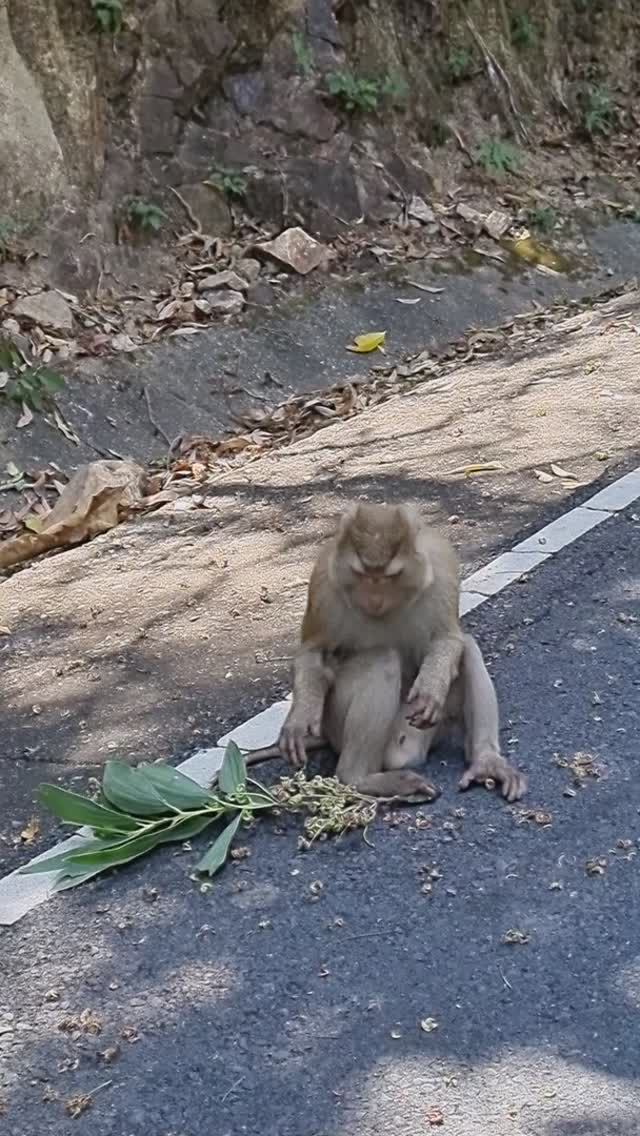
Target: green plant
497,157
108,15
523,32
303,53
354,92
233,183
140,808
543,218
459,62
144,215
599,111
362,94
24,384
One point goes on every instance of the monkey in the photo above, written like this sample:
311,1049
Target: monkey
384,668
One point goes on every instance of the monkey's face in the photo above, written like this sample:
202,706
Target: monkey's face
377,590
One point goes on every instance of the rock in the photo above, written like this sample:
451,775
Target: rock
226,279
158,125
32,168
497,223
209,206
421,211
225,303
470,215
295,249
49,309
10,330
249,269
261,295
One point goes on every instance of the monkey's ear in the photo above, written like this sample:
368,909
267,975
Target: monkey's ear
347,520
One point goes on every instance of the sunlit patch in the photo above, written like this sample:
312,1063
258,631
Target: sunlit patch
529,1093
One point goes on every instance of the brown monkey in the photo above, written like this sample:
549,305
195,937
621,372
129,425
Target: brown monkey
384,665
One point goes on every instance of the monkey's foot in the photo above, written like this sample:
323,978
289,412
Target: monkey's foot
493,767
411,788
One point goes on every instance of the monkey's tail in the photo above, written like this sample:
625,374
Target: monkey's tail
267,753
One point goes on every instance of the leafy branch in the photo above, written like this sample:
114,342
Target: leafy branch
140,808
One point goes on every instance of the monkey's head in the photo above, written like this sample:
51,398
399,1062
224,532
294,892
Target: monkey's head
378,565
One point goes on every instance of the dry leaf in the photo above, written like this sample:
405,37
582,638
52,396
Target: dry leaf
428,1025
371,341
25,418
542,475
402,300
75,1106
30,831
560,472
425,287
5,630
479,467
90,504
435,1117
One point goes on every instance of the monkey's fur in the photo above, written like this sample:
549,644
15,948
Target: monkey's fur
384,666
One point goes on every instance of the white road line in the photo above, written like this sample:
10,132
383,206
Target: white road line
20,894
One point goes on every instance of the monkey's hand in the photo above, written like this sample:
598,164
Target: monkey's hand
425,704
302,722
493,767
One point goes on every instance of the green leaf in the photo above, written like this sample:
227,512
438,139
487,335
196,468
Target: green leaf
112,856
130,790
216,855
190,826
175,788
233,774
71,808
64,860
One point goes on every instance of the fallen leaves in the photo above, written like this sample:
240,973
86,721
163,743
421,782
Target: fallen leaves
93,502
371,341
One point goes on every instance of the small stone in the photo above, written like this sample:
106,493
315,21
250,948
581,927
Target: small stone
421,211
49,309
226,279
225,303
249,269
497,223
295,249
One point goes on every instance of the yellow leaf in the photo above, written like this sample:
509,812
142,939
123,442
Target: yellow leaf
561,472
542,475
372,341
477,467
34,524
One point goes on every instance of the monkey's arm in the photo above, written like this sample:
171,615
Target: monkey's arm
311,681
439,668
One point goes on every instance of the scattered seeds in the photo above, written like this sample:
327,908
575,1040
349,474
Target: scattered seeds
515,937
596,866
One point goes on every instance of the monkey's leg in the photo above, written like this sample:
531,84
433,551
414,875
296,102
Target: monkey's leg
360,712
482,727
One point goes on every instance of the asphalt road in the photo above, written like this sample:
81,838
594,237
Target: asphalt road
288,998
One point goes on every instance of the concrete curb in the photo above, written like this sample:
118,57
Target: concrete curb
20,894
